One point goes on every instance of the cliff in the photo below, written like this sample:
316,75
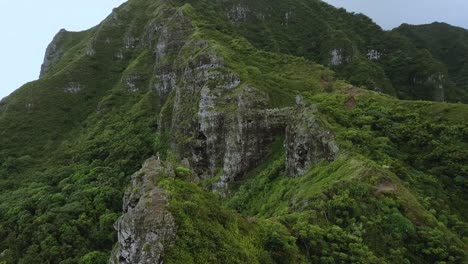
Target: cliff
234,132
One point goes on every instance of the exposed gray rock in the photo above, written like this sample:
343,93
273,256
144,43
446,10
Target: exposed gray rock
339,57
306,142
90,51
119,55
115,18
134,82
173,36
287,17
438,80
165,83
208,151
234,127
53,53
29,106
238,13
92,43
205,81
147,228
3,105
374,54
131,42
73,88
151,32
249,133
222,127
169,38
336,57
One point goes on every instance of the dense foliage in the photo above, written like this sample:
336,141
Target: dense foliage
396,194
365,54
386,196
447,44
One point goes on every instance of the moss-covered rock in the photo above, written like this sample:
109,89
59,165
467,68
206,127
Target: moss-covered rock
228,96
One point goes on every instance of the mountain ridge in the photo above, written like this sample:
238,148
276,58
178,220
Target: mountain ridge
446,42
258,155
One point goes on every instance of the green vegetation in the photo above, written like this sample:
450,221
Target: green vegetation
381,61
448,44
396,194
382,195
207,232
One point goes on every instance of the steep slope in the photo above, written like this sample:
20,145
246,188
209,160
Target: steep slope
252,153
351,44
448,44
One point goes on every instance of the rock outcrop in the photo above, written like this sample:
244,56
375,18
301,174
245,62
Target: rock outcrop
224,127
73,88
249,133
339,56
307,143
238,13
53,52
147,228
233,127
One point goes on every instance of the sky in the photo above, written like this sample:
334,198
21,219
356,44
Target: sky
28,26
392,13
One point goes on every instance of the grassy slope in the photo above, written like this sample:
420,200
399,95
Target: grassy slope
61,192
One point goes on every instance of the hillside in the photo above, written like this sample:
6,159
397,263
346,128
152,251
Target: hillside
448,44
352,45
232,132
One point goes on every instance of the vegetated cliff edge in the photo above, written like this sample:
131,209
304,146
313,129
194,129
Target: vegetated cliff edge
259,156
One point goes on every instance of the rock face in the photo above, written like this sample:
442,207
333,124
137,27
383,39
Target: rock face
222,126
307,143
339,56
249,133
53,53
238,13
73,88
233,127
146,228
230,130
374,54
134,83
209,148
438,80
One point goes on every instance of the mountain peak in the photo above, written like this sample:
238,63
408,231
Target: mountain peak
236,132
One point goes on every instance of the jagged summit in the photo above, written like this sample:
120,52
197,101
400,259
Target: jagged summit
236,132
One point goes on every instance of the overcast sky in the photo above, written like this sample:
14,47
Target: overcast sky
28,26
392,13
